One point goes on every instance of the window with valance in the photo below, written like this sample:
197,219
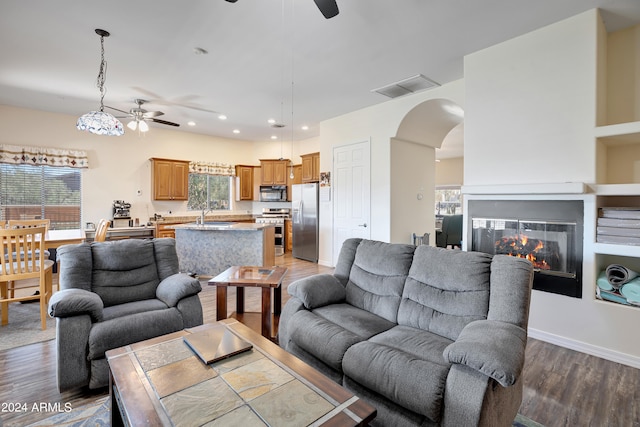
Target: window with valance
42,182
210,186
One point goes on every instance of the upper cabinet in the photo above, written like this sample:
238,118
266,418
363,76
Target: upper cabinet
274,172
311,167
170,179
244,176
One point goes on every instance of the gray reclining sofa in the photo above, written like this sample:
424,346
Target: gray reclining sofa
113,294
428,336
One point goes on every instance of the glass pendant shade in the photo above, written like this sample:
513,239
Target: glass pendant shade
100,123
143,126
133,125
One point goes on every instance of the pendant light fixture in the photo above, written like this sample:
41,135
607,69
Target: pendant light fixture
99,122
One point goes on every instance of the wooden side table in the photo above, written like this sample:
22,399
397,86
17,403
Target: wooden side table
251,276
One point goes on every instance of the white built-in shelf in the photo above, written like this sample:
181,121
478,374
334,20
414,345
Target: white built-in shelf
616,189
621,133
551,188
619,250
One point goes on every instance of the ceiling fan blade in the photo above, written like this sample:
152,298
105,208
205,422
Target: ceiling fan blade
164,122
329,8
152,114
122,111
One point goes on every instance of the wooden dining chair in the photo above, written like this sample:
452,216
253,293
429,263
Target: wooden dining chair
27,223
101,230
25,265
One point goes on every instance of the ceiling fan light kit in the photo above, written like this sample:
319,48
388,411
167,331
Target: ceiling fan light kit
99,122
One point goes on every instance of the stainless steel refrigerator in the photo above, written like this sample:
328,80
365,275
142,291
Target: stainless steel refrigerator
304,212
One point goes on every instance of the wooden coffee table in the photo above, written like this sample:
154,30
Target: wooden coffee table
266,278
160,382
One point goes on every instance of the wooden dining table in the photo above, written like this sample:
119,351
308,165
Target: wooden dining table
56,238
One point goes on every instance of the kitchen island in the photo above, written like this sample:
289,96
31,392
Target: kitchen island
209,249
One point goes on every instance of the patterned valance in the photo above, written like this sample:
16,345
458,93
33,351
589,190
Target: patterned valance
43,156
212,168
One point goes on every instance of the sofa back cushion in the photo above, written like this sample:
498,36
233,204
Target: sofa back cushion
445,290
124,271
377,277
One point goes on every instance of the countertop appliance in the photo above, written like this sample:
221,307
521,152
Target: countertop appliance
275,216
121,209
305,221
273,193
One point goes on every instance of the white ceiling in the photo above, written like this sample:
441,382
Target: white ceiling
49,55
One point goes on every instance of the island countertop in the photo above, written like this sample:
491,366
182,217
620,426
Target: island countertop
221,226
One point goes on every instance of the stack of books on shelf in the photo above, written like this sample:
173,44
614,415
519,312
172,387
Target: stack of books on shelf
620,226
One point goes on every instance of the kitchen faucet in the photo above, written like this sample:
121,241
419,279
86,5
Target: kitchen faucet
202,215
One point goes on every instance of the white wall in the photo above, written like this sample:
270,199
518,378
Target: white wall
413,198
119,166
378,124
530,106
450,171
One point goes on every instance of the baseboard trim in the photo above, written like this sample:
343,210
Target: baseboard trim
594,350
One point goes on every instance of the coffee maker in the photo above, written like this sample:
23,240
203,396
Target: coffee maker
121,213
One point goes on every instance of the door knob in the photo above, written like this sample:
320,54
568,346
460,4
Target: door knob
363,225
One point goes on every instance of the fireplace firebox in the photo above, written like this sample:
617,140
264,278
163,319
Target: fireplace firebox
547,233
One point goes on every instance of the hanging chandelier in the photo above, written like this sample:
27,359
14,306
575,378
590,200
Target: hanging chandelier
99,122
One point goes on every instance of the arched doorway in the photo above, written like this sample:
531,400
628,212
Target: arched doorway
413,162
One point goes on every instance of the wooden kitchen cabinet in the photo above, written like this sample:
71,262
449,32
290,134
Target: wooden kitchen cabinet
297,179
310,167
170,179
274,172
163,231
245,182
288,238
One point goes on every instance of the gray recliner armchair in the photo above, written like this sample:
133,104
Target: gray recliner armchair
113,294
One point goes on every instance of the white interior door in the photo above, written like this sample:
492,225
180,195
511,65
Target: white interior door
352,194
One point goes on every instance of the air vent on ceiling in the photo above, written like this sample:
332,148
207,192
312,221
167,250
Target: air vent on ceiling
404,87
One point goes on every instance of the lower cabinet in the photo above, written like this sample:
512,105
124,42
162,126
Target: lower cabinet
162,230
288,239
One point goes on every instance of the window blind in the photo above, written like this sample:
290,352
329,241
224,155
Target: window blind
34,192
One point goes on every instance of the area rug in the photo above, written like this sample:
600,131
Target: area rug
99,413
92,415
24,326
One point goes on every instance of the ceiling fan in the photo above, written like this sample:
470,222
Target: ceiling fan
139,116
329,8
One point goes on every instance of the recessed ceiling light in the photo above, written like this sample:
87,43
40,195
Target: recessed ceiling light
191,123
274,137
305,127
236,131
271,121
222,117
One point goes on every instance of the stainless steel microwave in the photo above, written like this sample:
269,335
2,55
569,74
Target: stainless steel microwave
273,193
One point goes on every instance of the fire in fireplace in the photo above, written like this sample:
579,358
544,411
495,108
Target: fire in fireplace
551,240
534,250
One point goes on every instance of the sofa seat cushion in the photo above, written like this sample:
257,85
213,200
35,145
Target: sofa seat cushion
328,332
125,330
405,365
126,309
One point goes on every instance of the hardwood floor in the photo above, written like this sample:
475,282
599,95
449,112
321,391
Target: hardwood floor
561,387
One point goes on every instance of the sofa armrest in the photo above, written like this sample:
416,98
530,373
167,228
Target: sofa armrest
492,347
317,291
74,302
176,287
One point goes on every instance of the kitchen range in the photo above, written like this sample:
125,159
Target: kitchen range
276,216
